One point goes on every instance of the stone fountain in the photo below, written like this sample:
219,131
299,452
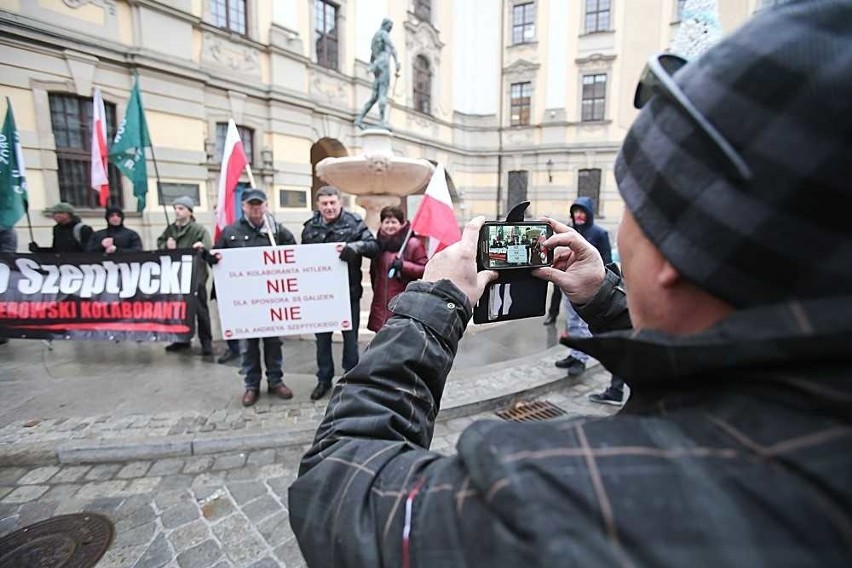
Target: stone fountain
376,176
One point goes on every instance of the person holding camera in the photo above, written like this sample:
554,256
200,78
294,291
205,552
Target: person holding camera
391,271
734,448
333,224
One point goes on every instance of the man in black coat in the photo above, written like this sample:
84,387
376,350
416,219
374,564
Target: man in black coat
735,448
253,231
116,237
332,224
70,234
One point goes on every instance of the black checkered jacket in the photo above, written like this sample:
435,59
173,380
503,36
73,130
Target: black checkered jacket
735,449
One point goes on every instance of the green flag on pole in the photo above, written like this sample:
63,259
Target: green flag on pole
128,148
13,182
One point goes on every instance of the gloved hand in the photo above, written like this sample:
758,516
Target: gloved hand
349,253
208,257
395,270
34,247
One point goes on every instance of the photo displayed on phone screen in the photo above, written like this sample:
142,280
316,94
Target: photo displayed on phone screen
517,246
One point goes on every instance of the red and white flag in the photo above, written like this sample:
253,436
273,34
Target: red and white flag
234,161
435,217
100,179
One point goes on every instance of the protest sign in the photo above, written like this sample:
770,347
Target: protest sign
135,295
286,290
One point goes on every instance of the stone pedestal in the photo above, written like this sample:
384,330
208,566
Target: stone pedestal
377,177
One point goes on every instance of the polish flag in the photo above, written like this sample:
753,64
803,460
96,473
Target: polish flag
234,161
100,180
435,217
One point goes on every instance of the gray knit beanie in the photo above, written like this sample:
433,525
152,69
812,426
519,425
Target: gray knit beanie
779,90
186,201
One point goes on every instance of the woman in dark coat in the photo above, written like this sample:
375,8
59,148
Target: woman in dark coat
392,232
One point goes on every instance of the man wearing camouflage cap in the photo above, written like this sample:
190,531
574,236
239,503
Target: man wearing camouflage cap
70,234
735,447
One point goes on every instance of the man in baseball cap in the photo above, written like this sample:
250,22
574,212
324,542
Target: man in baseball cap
70,234
734,447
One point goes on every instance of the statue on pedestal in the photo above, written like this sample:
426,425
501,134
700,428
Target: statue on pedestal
381,50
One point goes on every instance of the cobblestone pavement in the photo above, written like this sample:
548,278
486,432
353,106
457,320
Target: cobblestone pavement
222,510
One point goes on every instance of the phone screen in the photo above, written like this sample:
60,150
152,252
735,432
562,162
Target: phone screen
515,245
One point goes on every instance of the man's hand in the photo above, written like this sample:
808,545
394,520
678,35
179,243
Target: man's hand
34,247
577,265
171,243
457,263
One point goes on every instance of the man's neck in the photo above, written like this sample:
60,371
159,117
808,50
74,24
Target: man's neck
182,222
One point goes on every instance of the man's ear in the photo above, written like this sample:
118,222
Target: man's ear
668,276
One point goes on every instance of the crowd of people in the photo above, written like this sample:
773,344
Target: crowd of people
392,268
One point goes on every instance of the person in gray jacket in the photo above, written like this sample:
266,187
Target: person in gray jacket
734,447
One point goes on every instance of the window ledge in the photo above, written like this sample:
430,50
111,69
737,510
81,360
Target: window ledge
603,122
597,33
532,43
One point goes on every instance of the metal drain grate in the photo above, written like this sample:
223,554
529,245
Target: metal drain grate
77,540
531,411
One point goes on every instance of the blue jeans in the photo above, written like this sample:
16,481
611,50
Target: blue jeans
272,359
325,358
576,327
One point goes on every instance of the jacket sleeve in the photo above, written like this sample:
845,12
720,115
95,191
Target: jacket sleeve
284,236
135,242
607,310
161,240
205,238
370,451
604,247
93,244
86,233
414,260
367,244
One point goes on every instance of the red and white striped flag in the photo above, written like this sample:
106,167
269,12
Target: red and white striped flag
100,179
234,161
435,217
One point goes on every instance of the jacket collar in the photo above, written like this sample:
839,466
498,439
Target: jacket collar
817,331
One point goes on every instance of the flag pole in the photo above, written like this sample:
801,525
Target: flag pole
159,186
29,223
392,272
265,217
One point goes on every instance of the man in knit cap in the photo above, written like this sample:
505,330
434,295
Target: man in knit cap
735,448
186,233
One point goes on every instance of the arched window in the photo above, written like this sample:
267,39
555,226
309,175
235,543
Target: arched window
422,85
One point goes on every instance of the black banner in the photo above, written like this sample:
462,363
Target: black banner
130,296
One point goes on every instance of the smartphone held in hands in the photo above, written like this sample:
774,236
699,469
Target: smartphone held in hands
511,245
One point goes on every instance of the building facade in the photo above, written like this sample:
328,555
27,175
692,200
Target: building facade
519,99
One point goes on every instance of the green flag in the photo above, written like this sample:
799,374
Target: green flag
13,182
128,148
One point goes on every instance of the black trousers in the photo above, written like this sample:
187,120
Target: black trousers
555,301
202,314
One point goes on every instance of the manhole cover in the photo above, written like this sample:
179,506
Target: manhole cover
531,411
67,541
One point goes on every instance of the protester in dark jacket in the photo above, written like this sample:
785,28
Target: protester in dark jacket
583,221
70,234
187,233
116,237
332,224
734,448
253,231
391,272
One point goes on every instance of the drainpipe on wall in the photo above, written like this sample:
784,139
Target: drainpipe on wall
500,109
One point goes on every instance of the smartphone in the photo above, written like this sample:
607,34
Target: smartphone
504,245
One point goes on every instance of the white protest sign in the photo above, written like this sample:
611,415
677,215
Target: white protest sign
286,290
